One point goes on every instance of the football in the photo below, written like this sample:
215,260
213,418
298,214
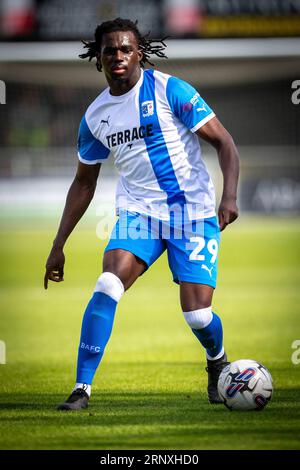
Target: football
245,385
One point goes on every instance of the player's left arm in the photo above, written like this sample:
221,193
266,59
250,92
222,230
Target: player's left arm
215,133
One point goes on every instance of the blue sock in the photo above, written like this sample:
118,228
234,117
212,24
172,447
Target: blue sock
211,337
95,332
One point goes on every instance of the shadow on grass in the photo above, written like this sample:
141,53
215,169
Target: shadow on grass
147,420
108,408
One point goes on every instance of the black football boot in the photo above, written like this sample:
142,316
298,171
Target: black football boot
76,401
214,369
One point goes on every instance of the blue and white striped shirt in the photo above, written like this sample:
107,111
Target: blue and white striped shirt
149,131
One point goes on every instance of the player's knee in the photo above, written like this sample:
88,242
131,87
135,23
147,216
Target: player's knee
111,285
198,319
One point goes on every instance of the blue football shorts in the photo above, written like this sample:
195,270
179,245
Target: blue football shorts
192,246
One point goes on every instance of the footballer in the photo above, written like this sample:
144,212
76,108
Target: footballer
149,123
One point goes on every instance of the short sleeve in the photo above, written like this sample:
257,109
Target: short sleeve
90,149
187,105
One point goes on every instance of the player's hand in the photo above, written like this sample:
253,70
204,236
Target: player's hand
228,212
54,266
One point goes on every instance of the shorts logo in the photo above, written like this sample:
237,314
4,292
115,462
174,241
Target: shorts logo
203,266
147,108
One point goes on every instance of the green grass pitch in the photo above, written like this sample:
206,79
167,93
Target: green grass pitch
150,389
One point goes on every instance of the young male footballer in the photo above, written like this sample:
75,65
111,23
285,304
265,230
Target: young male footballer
149,122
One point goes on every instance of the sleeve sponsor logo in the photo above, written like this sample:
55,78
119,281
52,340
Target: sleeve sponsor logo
186,107
202,108
195,99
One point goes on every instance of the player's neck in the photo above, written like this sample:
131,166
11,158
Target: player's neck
121,86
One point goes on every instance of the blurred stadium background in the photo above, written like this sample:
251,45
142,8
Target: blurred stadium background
243,56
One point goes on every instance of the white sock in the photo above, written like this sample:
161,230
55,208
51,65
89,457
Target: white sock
86,387
200,318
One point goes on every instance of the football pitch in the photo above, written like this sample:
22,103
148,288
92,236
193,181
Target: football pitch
150,389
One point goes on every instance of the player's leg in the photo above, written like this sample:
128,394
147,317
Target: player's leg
123,264
193,261
120,269
196,303
126,257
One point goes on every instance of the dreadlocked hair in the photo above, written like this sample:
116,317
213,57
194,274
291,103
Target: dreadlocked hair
144,43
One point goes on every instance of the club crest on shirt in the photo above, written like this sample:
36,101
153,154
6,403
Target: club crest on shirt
147,108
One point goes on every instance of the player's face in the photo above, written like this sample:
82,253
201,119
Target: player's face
120,56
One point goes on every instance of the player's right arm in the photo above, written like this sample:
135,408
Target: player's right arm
78,199
91,154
